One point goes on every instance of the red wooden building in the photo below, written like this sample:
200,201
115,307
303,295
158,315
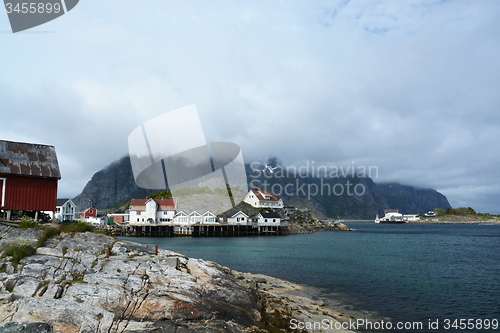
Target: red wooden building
89,212
28,177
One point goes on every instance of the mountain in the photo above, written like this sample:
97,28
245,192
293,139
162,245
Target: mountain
110,187
411,199
338,195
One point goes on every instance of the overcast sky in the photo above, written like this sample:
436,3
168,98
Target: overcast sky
411,87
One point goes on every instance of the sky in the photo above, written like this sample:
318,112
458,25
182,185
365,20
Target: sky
409,87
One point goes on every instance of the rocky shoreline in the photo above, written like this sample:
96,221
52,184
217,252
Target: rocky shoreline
69,285
311,227
291,229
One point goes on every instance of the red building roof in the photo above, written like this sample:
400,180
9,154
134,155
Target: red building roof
163,204
89,212
261,195
28,176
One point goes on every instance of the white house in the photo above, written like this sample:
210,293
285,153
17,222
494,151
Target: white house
152,211
266,219
103,220
411,218
195,218
181,218
262,199
65,210
391,216
238,218
119,218
209,218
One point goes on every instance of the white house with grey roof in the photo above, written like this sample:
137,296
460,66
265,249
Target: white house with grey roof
65,210
238,218
266,219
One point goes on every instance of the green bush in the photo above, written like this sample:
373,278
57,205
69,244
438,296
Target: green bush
18,251
163,194
191,190
75,227
47,233
27,222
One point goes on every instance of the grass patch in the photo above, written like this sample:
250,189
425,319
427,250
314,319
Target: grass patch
73,227
77,278
27,222
47,233
64,250
17,252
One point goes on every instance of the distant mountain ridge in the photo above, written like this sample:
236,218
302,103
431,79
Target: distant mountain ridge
344,197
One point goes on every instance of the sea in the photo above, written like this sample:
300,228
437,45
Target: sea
445,277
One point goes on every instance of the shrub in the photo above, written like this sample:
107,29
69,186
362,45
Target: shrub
75,227
27,222
18,251
47,233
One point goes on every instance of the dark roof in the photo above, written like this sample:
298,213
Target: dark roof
235,212
28,159
270,215
60,202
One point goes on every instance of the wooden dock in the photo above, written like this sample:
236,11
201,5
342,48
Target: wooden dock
199,231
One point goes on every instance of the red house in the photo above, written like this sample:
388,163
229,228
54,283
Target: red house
28,177
89,212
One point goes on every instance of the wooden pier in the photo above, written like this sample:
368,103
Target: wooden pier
199,230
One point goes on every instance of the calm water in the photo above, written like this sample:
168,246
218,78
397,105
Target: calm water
406,272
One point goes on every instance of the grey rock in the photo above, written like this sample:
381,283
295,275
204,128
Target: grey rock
87,242
29,236
51,290
108,279
62,315
59,292
11,280
37,266
134,291
26,287
5,297
124,247
25,328
47,251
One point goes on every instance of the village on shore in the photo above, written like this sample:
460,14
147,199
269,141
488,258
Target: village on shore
260,213
69,280
29,175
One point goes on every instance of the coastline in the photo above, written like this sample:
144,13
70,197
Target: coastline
69,285
438,221
291,228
